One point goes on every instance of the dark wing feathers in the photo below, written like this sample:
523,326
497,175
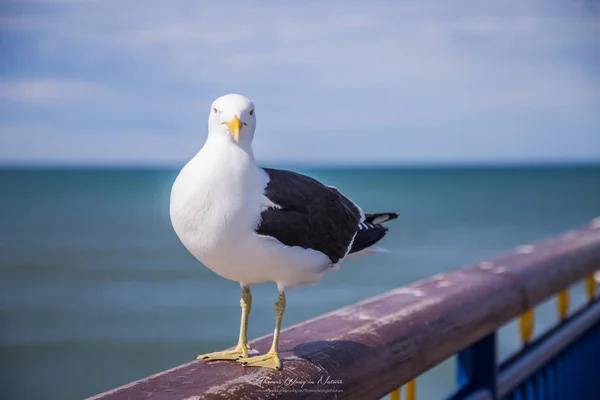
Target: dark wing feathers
311,215
371,231
367,236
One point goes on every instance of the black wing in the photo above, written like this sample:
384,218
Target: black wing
311,215
371,231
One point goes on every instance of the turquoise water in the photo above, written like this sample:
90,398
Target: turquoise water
97,291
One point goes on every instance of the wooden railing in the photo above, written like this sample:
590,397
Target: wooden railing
370,349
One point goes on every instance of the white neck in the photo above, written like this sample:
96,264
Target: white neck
222,142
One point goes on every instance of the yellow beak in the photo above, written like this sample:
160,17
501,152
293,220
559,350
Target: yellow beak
235,126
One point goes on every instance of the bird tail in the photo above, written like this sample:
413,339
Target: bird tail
370,232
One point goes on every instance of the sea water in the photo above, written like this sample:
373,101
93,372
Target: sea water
97,291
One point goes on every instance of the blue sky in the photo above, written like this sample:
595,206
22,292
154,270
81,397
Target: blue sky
401,82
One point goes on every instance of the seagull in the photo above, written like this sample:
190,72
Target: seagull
255,225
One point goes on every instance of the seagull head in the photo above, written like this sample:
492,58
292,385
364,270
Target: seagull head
232,116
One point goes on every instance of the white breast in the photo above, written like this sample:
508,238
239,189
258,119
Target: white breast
216,203
215,196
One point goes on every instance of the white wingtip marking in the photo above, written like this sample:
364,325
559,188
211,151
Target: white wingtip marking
381,219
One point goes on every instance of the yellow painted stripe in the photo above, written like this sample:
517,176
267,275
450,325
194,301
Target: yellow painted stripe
562,304
395,395
590,287
411,390
526,325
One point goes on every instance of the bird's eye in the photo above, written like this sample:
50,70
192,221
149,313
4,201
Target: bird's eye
215,110
252,112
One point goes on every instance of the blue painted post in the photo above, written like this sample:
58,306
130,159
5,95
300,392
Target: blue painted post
594,374
529,389
540,384
561,390
551,385
477,367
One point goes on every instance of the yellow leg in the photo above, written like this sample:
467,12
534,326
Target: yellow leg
271,359
241,350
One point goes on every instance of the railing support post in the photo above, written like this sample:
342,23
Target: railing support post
477,367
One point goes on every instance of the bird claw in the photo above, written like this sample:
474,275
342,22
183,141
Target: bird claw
224,355
269,360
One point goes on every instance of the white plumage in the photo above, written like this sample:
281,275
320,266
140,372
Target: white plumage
216,205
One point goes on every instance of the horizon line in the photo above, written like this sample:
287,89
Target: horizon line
317,165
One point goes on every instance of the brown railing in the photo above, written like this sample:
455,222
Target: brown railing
369,349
